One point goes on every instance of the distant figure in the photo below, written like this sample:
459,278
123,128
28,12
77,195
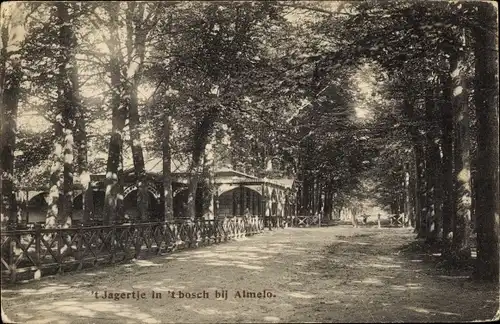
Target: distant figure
354,220
378,220
365,219
318,218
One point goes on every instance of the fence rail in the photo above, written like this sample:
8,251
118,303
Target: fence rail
304,221
32,253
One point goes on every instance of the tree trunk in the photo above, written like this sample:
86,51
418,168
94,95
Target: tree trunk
82,153
113,209
305,194
473,182
408,208
167,172
486,102
429,173
461,156
209,175
299,197
424,194
394,206
66,107
354,221
81,144
8,117
314,195
328,201
192,190
114,189
419,169
437,220
317,196
437,233
60,184
447,165
137,155
11,75
432,172
419,190
401,209
135,53
412,201
200,139
53,199
307,183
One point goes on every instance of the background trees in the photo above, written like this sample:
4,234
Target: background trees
435,82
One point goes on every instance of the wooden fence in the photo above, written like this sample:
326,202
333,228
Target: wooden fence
304,221
33,253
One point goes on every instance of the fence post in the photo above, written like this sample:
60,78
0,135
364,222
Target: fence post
196,233
189,232
165,236
137,243
172,244
201,232
112,245
12,249
227,229
79,248
59,246
38,246
207,231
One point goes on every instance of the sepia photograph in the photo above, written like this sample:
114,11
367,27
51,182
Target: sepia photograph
249,161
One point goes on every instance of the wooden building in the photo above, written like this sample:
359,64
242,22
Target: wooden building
235,194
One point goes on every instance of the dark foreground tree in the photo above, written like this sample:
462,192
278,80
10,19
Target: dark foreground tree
10,87
486,101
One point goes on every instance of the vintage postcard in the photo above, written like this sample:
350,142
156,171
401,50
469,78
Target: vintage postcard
249,161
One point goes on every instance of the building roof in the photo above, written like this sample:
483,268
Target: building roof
180,170
155,166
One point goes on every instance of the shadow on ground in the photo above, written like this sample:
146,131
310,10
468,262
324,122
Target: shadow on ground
331,274
385,279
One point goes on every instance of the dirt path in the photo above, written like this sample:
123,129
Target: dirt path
334,274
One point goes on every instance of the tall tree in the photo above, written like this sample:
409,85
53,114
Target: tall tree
12,35
81,144
67,104
485,30
141,18
447,151
114,168
167,168
461,153
66,109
